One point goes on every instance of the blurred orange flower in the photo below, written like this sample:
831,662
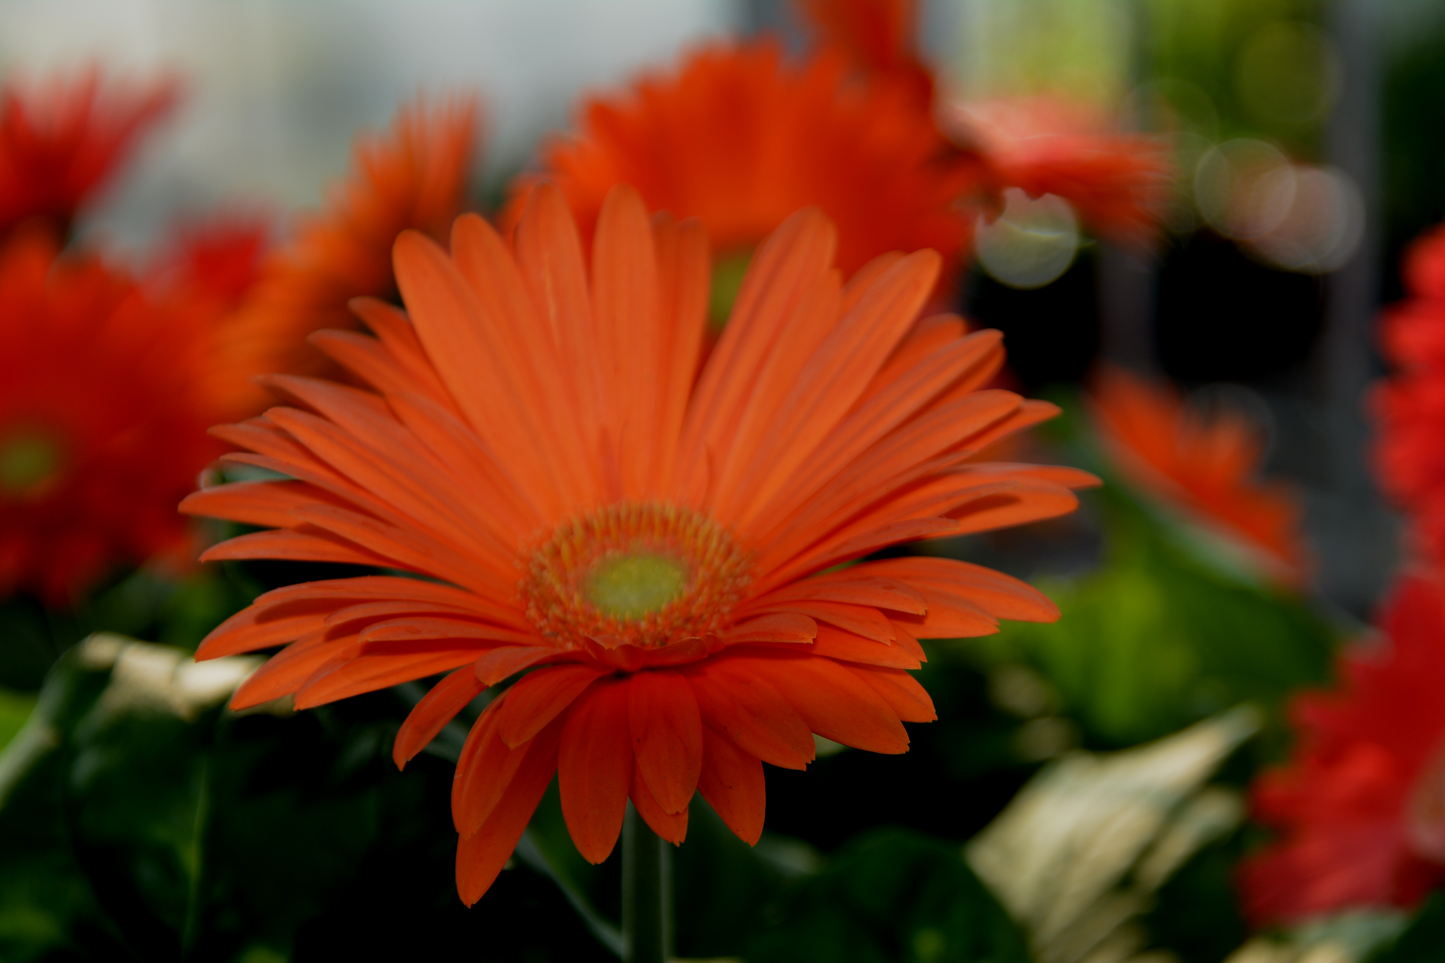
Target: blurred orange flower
1116,182
658,548
1202,465
414,176
103,419
876,36
61,141
1361,807
740,139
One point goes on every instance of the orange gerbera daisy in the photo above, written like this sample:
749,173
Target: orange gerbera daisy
741,140
664,551
415,176
62,141
102,419
1202,465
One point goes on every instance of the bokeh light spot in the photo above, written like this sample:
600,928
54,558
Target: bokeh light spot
1031,243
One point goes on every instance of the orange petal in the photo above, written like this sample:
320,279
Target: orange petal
900,690
540,697
261,626
832,701
481,856
429,716
666,736
835,643
594,768
497,664
732,783
751,713
670,826
382,665
288,670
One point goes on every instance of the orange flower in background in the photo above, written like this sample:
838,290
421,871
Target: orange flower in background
1361,807
663,551
1116,182
1201,465
1410,404
740,139
102,419
877,36
413,177
61,141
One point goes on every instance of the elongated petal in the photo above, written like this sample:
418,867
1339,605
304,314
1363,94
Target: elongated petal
594,768
666,736
481,855
429,716
732,783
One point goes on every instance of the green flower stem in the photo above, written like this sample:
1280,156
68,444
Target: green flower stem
646,893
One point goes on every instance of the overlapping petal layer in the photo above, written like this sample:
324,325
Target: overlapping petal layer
539,442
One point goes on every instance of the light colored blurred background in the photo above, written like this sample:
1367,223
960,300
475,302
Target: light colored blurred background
276,90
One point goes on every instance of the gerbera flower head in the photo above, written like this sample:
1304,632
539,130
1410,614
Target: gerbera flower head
103,419
414,176
1202,464
1117,182
740,139
1410,404
667,553
1361,807
219,258
876,36
61,141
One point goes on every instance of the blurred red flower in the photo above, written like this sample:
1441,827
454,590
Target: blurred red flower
62,141
103,418
1410,405
1361,807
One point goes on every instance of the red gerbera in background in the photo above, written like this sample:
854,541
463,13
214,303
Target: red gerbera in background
1410,405
103,411
1202,464
413,176
62,140
664,551
1361,808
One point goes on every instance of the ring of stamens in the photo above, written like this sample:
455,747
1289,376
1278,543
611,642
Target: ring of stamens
640,573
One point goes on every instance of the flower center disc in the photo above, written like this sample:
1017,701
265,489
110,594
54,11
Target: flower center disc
630,586
28,459
634,573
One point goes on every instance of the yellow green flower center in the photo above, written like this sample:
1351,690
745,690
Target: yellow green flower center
728,272
636,573
630,586
28,459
